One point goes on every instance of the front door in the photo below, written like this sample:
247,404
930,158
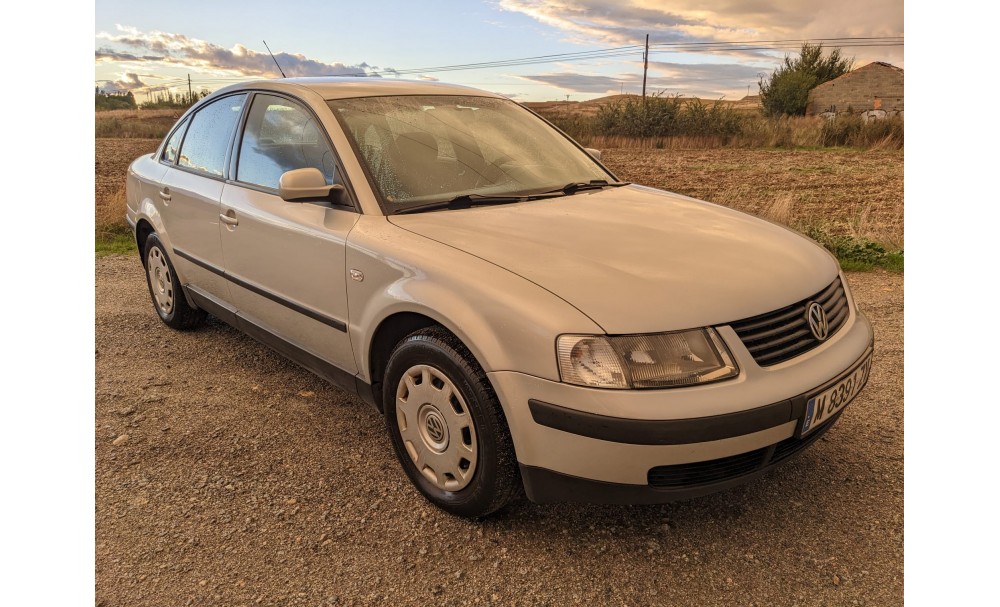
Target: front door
285,261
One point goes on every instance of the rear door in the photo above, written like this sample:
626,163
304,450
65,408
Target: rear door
192,189
286,260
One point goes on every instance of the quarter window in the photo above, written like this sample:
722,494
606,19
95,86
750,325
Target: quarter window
204,148
174,143
281,136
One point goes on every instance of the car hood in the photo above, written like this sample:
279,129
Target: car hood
636,259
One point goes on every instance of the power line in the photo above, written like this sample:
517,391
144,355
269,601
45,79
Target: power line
659,48
741,45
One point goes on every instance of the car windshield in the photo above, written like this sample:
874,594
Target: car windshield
423,149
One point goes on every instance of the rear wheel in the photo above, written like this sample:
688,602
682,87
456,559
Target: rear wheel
447,425
165,289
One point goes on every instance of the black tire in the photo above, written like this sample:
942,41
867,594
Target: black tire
179,314
496,480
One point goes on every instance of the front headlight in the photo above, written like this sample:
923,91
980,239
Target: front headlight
660,360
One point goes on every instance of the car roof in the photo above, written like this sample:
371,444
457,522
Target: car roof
339,87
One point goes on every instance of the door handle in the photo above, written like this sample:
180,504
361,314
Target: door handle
229,218
165,194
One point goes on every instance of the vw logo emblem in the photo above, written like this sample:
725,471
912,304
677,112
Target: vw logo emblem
816,317
435,429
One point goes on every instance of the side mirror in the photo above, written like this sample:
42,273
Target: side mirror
593,152
307,184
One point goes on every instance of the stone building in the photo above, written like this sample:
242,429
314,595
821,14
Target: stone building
875,89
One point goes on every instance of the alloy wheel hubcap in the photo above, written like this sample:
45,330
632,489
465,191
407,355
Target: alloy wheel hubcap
159,280
437,428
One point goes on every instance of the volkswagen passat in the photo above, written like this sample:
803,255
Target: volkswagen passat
523,319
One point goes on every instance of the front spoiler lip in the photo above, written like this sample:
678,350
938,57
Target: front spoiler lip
681,431
544,486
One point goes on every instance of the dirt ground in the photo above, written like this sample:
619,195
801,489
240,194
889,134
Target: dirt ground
228,476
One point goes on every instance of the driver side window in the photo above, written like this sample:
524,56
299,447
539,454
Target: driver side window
281,136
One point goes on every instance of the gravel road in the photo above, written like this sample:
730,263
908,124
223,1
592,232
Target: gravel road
228,476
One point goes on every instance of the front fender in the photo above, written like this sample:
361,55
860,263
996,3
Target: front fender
507,322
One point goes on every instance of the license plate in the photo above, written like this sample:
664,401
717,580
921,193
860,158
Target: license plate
827,403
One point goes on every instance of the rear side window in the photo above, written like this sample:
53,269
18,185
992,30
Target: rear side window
207,139
281,136
174,143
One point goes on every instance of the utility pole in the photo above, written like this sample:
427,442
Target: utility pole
190,94
645,67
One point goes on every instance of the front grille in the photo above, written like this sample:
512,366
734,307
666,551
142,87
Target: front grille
727,468
700,473
777,336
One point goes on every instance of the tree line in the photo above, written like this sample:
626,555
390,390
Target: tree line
159,100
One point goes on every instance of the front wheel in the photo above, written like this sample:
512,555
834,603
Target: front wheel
447,426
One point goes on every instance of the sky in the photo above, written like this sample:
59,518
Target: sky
144,47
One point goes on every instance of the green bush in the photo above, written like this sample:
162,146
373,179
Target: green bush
856,253
666,117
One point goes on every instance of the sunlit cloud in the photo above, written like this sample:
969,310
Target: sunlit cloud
178,50
626,22
127,82
590,21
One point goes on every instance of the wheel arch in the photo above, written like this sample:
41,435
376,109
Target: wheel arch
390,331
143,229
147,223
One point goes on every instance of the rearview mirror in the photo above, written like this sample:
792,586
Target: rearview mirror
307,184
593,152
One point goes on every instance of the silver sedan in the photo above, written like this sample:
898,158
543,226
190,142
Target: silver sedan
524,320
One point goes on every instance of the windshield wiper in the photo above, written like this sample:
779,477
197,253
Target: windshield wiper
465,201
593,184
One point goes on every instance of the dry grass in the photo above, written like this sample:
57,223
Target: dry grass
109,218
780,211
849,192
759,132
135,124
113,156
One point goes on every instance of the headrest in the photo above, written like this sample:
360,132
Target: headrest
417,144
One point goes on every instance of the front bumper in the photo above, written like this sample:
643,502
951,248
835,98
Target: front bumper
545,486
582,444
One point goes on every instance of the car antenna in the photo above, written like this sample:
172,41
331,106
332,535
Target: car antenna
272,57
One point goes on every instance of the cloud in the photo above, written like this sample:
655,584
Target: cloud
627,22
710,81
128,82
106,54
713,74
591,21
427,78
180,50
582,83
